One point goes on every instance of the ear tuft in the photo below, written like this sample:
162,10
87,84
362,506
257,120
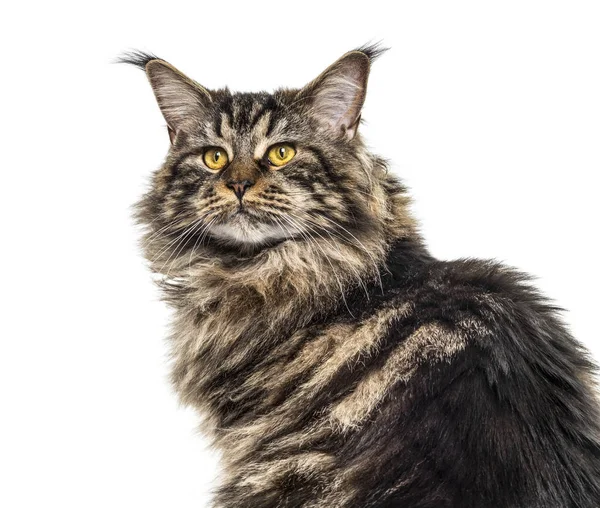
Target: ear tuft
372,50
137,58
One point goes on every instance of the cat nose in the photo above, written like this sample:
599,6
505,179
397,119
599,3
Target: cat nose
239,187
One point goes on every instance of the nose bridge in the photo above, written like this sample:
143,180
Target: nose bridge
241,169
240,176
239,173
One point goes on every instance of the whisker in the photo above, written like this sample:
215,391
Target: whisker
199,239
168,225
182,245
328,260
366,251
183,232
179,239
333,244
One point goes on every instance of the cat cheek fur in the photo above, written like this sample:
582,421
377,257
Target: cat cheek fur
335,361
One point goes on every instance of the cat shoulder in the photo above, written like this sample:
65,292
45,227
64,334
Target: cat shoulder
490,312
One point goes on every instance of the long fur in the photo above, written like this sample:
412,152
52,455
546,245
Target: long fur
335,361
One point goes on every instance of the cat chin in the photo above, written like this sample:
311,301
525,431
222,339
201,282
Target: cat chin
244,232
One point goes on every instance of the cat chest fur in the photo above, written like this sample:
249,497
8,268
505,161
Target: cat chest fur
275,379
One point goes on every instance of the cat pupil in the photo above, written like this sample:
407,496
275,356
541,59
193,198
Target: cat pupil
217,156
282,153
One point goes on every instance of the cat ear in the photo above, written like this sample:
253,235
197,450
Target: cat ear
336,97
178,97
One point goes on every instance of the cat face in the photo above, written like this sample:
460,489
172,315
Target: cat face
249,170
254,170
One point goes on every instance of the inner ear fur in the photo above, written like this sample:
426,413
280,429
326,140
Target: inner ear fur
337,95
179,97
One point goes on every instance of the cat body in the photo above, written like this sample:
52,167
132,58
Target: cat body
336,363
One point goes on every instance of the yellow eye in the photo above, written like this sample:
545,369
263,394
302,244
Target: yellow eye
280,154
216,158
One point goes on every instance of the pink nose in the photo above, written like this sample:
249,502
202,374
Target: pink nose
239,188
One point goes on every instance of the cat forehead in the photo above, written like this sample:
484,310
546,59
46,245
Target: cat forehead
253,116
244,109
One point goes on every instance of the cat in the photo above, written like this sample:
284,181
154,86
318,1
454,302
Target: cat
334,360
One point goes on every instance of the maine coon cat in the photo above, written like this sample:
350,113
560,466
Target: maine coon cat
335,361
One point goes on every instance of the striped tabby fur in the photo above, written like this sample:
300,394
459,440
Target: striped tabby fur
335,361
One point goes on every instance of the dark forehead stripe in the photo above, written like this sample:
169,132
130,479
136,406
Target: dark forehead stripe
241,108
272,121
243,111
223,104
244,104
219,124
269,105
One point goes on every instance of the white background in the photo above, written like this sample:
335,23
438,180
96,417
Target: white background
489,111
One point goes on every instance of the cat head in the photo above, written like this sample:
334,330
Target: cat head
248,171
